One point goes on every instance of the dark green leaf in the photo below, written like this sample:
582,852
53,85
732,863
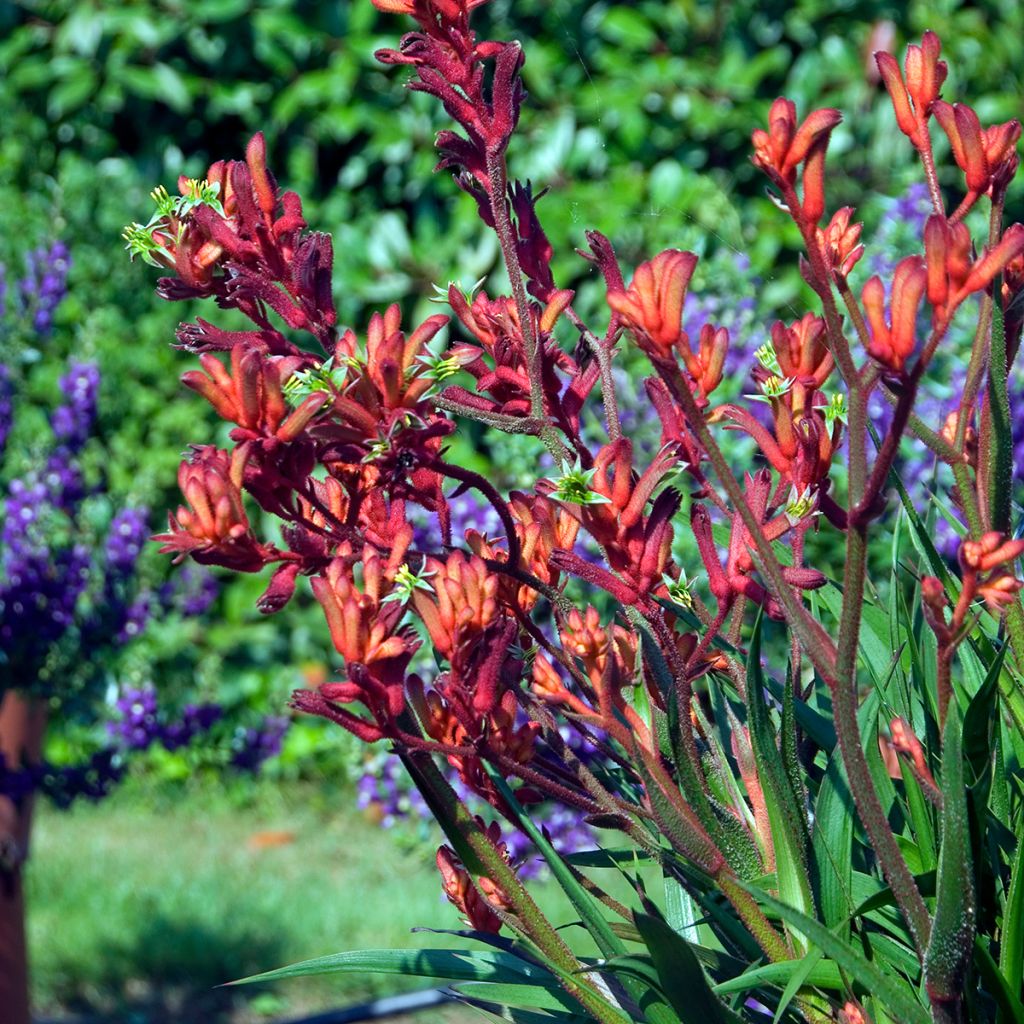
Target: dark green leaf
887,986
953,927
446,964
788,823
1011,946
681,977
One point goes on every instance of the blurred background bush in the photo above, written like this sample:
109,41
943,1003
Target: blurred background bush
638,123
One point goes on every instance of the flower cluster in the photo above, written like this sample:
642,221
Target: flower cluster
92,779
342,436
139,724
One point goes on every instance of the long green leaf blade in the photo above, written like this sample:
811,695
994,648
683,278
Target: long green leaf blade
891,990
952,935
445,964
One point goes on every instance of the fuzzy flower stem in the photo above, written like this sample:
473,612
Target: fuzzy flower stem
928,161
843,679
932,440
497,174
816,641
856,313
601,353
501,421
845,693
485,487
887,453
567,795
531,919
991,348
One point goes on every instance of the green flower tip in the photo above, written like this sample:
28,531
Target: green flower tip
406,581
574,487
679,590
772,388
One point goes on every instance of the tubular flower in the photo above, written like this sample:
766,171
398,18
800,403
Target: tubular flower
706,364
251,394
992,551
584,638
638,545
547,683
893,341
914,101
364,622
459,889
462,604
853,1013
427,12
806,426
801,351
652,306
952,275
609,659
780,150
542,527
235,236
987,156
453,67
840,243
380,384
994,260
999,591
213,527
905,742
986,565
500,365
734,579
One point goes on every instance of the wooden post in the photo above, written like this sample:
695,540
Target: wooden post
22,723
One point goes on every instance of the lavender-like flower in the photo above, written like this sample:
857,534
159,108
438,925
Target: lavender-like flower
73,420
254,746
470,510
39,585
190,591
44,285
128,533
137,726
140,724
92,779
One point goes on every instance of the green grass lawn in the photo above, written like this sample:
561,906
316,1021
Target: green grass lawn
141,905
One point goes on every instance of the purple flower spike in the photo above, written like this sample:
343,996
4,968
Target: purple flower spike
72,421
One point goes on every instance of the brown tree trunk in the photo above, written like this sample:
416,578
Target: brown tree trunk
22,723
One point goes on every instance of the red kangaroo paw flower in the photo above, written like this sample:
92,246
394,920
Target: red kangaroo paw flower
652,306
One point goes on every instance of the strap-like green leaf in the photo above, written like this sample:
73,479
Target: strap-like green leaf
524,997
681,977
832,846
1010,1009
786,816
823,974
952,935
1011,945
997,449
446,964
519,1016
889,988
